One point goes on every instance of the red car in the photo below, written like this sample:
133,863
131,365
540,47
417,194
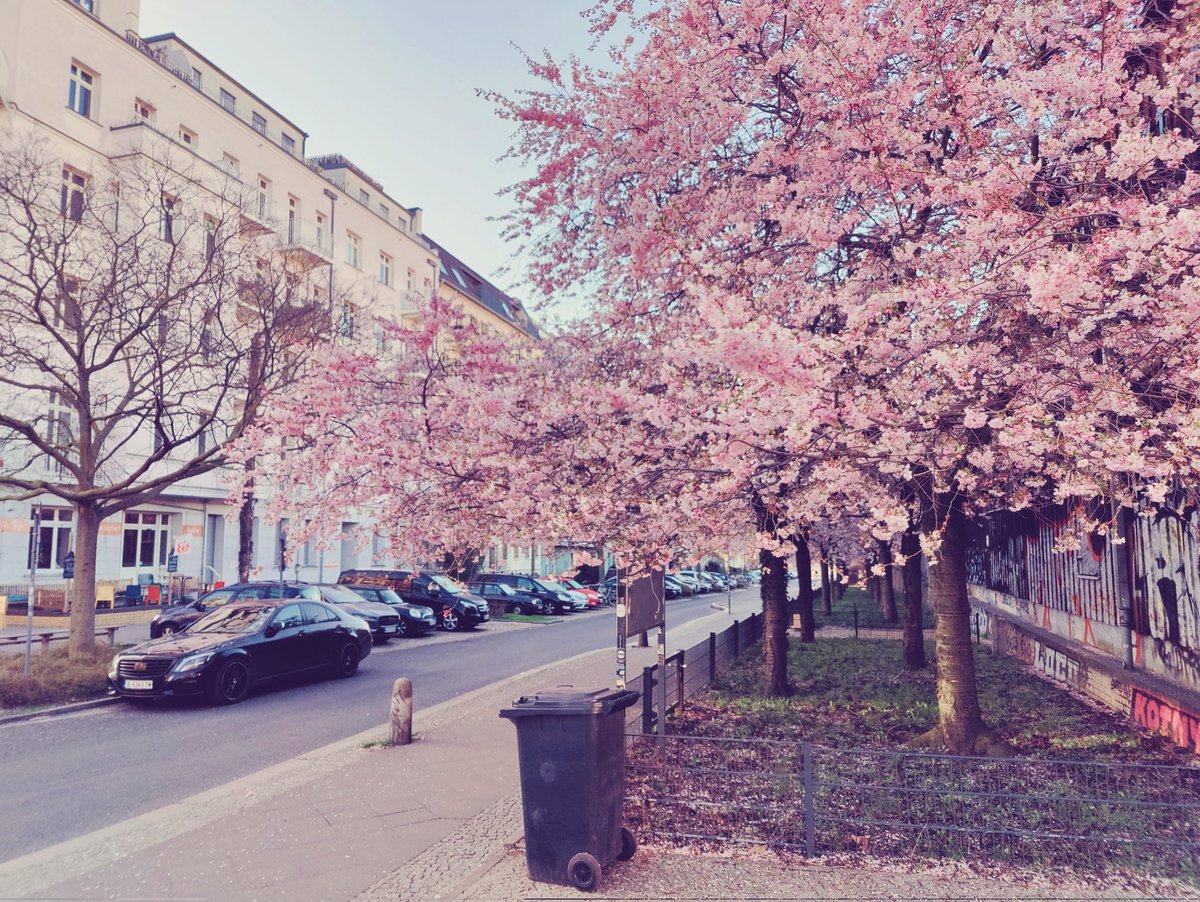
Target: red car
593,597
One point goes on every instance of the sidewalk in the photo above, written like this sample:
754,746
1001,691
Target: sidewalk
439,819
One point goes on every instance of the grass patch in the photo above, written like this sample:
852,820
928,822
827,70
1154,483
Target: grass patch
378,744
860,694
55,678
869,612
526,618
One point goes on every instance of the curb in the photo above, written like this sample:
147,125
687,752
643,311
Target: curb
60,709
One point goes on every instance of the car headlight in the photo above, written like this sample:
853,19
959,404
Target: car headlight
112,668
192,662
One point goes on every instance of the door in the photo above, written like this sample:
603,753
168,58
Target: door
326,633
290,649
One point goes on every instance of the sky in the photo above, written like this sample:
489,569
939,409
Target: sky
391,84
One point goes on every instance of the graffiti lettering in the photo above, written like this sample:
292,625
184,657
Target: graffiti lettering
1055,664
1158,716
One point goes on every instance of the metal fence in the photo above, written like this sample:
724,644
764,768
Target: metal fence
686,672
815,800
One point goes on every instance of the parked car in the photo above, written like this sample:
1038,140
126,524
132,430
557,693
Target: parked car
383,622
240,645
673,588
683,586
699,583
510,599
589,592
556,601
178,618
579,600
414,618
454,607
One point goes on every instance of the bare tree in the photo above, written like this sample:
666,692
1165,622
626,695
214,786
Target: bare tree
143,318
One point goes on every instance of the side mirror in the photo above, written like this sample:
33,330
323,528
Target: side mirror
200,606
272,630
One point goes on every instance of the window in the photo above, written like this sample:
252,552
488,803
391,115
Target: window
143,110
288,617
228,101
83,84
88,5
353,250
321,230
210,238
264,197
411,277
197,78
205,441
288,143
385,269
230,163
145,540
166,228
293,225
259,122
385,212
54,537
74,189
188,137
364,198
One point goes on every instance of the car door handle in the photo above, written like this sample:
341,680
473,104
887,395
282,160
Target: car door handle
302,633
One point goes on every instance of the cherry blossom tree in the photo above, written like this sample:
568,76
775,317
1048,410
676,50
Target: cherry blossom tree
953,243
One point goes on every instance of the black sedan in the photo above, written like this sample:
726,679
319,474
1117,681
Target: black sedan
382,620
240,645
414,618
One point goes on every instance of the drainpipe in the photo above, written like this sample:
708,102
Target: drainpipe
332,195
1121,517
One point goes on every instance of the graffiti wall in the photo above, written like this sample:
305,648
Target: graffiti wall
1028,563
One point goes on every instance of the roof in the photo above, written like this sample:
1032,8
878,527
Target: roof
479,289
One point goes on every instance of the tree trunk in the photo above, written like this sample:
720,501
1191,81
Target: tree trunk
775,623
773,591
914,637
839,587
245,559
804,594
83,605
887,588
960,725
826,589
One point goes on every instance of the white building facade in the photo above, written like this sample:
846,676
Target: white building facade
76,75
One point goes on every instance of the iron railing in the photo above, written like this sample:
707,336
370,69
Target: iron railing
1081,815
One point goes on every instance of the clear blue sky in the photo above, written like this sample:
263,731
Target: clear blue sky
391,84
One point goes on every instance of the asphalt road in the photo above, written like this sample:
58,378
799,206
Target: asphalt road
66,776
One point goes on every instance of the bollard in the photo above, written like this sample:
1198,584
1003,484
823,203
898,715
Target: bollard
402,711
644,640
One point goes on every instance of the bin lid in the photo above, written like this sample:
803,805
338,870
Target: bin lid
567,700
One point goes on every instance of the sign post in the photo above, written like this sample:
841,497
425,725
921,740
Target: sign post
641,606
69,577
35,552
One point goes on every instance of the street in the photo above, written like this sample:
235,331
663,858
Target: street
69,775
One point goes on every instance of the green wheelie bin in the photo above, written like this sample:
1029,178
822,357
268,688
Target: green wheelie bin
571,748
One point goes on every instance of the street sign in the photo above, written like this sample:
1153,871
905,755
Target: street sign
182,546
646,603
172,563
69,565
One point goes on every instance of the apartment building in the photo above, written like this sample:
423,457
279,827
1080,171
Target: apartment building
77,75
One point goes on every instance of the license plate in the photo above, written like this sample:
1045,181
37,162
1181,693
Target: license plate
139,684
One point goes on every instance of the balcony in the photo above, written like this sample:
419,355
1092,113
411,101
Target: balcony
304,245
258,214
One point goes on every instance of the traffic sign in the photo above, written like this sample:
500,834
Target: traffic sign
69,565
172,563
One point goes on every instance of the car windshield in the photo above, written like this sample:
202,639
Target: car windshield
387,596
503,589
448,584
233,620
340,595
547,584
570,584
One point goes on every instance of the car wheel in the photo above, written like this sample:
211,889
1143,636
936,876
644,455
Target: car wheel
168,629
450,621
403,630
347,662
232,683
514,609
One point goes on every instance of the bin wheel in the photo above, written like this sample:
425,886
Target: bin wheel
584,872
629,845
